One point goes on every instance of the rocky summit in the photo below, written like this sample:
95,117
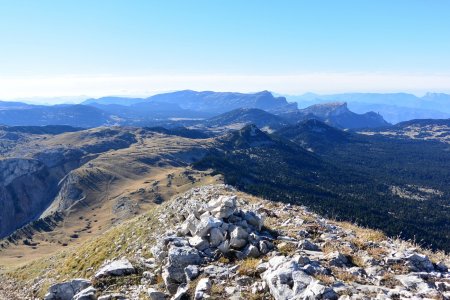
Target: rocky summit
215,242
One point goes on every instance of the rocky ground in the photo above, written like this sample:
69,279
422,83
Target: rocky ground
215,242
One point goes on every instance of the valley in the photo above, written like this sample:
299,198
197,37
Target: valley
64,188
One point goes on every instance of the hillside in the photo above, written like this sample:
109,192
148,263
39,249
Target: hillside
430,101
220,102
340,174
350,180
78,187
395,114
238,118
122,101
427,129
336,114
314,135
112,173
71,115
219,110
241,247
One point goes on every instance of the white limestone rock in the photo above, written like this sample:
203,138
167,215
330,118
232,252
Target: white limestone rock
119,267
67,290
203,288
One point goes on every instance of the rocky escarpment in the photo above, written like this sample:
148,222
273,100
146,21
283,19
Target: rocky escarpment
32,176
26,187
214,242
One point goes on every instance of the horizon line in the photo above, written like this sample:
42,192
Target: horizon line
14,88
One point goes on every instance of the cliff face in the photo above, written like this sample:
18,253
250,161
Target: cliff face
37,169
28,186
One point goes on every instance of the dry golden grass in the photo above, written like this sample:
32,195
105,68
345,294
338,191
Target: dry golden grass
248,267
399,269
435,256
357,260
377,252
359,243
327,279
192,285
258,296
217,290
224,260
308,218
389,281
365,234
332,246
344,275
84,260
287,248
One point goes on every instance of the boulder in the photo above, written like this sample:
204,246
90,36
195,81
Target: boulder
286,284
198,242
159,252
314,268
251,251
222,207
275,261
238,237
181,293
67,290
419,263
86,294
262,267
285,279
264,247
259,287
316,290
237,243
189,225
218,272
203,288
156,295
178,259
205,225
254,219
119,267
414,282
216,237
302,260
224,247
191,272
442,267
243,280
337,259
308,245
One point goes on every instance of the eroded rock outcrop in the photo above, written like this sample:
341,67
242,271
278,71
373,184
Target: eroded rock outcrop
119,267
217,243
67,290
210,230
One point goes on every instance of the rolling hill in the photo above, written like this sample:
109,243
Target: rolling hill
336,114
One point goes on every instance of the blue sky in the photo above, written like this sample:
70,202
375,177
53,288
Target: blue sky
67,48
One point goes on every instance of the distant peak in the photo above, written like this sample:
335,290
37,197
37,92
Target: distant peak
265,92
251,132
251,129
334,104
326,109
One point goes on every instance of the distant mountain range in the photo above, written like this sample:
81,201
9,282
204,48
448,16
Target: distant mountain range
394,107
21,114
207,102
216,111
338,115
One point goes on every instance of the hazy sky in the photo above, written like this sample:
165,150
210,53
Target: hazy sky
95,48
